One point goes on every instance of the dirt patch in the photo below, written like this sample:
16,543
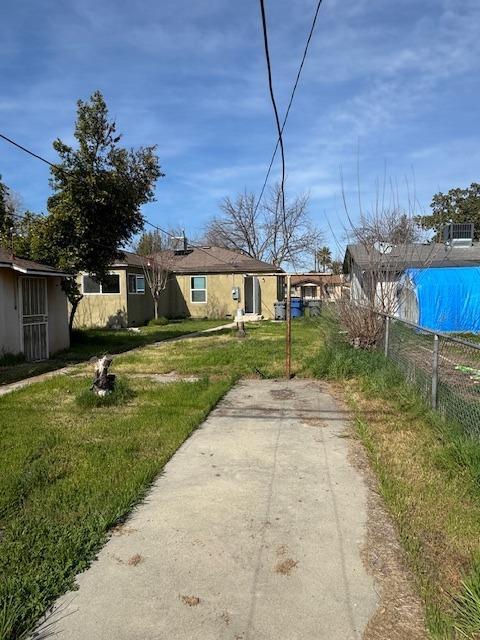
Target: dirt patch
282,394
190,601
135,560
400,612
122,530
314,422
286,567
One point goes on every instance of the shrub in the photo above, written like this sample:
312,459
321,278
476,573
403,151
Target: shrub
10,359
158,322
121,394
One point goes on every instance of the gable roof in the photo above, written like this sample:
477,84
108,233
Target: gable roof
316,279
402,256
214,260
27,267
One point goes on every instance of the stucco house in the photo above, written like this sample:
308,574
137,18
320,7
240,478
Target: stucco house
203,282
124,299
318,286
33,308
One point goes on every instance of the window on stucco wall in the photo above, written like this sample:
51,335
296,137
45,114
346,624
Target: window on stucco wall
136,283
111,284
198,289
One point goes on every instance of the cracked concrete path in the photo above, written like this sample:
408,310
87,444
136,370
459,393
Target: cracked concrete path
253,532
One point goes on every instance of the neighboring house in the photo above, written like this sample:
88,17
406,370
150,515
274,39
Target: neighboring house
418,281
317,286
124,299
203,282
33,308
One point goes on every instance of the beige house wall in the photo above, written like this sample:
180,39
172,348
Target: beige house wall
219,295
102,309
11,315
115,309
127,309
140,307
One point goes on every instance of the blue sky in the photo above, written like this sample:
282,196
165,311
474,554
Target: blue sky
385,83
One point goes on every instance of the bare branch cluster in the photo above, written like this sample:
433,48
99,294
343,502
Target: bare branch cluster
262,231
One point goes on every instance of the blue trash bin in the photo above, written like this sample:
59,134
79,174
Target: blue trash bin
296,307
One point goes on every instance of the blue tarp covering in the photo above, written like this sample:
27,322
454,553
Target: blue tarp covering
448,298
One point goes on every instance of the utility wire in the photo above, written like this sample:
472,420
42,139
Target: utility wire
274,104
297,79
168,233
15,144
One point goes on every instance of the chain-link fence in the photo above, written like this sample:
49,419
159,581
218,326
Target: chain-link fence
445,369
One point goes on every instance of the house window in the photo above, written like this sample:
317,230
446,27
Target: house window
309,292
136,284
111,284
90,285
198,288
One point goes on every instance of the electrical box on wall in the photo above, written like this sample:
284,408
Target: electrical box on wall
236,293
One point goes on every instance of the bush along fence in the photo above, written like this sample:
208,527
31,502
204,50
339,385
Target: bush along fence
445,369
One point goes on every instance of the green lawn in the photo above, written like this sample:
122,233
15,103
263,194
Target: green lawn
90,342
71,470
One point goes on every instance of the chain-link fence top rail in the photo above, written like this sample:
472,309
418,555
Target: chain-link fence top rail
445,370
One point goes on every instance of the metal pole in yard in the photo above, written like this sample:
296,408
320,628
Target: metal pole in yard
288,336
435,371
387,335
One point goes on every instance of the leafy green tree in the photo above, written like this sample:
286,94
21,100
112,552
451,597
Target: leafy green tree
98,189
323,258
150,242
458,205
337,267
6,214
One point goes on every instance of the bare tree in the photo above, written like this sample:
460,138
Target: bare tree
261,231
385,241
156,249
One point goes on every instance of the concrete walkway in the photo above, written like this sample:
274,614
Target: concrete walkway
253,532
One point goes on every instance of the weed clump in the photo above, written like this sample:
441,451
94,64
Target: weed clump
122,394
158,322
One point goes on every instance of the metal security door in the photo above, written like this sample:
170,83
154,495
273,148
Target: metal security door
34,319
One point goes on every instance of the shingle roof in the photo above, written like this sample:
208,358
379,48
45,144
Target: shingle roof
214,260
316,279
26,266
412,255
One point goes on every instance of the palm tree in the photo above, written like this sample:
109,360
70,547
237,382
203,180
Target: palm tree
323,257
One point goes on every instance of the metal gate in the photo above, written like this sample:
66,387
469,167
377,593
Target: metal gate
34,318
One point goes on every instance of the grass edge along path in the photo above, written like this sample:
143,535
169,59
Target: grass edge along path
90,342
429,478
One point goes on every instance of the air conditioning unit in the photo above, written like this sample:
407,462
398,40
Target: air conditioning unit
458,235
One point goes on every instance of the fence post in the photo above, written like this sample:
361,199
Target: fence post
435,371
387,335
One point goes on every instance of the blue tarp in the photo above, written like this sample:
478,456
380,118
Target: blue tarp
448,298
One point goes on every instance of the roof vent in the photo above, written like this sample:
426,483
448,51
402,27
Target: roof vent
179,243
458,235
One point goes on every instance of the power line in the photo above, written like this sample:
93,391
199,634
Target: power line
51,164
274,104
297,79
35,155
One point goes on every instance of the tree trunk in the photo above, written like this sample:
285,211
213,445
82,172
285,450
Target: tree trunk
75,302
155,300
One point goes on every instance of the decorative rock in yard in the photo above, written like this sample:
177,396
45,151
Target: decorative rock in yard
104,382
